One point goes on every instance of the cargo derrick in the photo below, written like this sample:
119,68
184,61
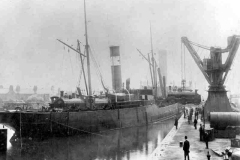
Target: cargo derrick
215,72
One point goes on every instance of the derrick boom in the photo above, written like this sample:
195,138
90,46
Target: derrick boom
196,58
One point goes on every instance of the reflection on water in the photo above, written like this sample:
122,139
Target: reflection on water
125,144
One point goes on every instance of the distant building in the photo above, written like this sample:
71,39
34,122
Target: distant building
23,94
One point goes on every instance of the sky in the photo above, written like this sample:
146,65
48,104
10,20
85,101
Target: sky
31,55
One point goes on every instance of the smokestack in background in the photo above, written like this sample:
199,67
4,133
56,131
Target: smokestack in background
116,68
162,63
61,93
128,84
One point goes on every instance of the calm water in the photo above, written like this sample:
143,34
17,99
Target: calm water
126,144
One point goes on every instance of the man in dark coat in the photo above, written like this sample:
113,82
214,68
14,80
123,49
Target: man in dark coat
195,123
206,138
184,112
186,147
176,122
201,132
189,119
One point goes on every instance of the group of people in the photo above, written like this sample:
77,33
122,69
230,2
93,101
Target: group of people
189,118
204,136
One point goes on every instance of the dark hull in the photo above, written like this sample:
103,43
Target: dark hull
112,145
42,124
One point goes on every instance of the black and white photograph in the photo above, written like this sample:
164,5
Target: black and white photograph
119,80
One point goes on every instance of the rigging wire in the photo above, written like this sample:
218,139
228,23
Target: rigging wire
78,62
81,70
71,62
94,61
96,64
199,45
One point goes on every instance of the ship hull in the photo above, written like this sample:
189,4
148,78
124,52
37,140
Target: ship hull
42,124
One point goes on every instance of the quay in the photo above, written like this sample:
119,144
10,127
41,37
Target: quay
169,148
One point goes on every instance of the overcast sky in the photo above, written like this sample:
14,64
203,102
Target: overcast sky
30,54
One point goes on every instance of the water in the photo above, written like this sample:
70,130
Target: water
126,144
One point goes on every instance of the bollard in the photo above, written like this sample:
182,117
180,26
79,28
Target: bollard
208,155
225,157
180,143
3,139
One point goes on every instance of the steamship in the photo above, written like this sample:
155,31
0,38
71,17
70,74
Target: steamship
92,115
78,113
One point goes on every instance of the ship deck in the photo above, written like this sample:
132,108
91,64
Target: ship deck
170,148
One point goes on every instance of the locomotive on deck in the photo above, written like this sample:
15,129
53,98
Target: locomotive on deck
183,96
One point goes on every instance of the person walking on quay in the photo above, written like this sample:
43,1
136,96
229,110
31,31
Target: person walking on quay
202,114
189,119
206,138
195,123
197,115
176,122
201,132
186,147
184,112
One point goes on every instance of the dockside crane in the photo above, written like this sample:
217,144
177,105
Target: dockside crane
215,72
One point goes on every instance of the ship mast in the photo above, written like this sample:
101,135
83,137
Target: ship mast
84,75
153,65
87,50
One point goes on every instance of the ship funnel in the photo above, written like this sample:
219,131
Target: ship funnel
170,88
61,93
128,84
116,68
196,91
73,95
